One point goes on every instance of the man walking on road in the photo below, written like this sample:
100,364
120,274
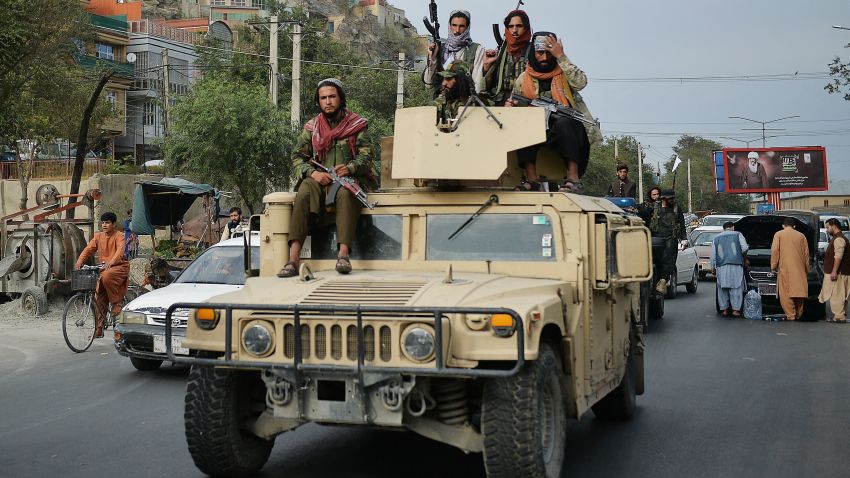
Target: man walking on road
836,285
789,259
727,263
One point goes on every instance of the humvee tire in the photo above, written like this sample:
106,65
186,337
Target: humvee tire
514,409
145,364
621,402
215,405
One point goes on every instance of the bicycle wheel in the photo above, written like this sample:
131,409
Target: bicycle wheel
79,321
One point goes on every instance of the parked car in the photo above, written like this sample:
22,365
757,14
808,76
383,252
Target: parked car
843,221
719,219
140,334
702,238
759,231
823,242
687,271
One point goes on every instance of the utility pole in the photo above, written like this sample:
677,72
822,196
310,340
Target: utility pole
690,202
399,95
166,96
640,174
295,114
616,151
273,59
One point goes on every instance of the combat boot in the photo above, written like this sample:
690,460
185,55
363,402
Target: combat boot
661,286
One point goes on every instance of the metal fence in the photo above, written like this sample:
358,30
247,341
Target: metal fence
53,169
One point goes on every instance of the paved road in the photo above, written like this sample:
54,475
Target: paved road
724,399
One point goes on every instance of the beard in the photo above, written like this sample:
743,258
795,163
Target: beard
333,114
452,93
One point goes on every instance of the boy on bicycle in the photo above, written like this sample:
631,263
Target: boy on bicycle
114,277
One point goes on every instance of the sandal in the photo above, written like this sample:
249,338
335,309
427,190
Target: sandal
528,186
290,269
572,186
343,265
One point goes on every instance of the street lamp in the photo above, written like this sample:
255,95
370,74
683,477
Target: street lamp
763,129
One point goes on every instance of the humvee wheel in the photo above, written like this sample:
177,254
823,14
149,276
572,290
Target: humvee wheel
620,403
523,419
217,405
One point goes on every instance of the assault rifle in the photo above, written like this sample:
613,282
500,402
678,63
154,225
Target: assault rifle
433,27
553,108
346,182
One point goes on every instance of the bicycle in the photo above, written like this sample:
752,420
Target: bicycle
79,320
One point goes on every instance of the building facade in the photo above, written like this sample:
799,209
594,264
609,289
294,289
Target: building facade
146,121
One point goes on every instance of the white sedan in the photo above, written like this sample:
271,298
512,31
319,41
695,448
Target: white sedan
140,333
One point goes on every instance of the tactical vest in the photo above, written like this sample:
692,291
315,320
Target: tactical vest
829,258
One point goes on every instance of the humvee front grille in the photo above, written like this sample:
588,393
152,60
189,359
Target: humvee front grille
320,342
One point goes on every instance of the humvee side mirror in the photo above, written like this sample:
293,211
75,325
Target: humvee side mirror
633,250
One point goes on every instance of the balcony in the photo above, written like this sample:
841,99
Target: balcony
115,26
147,27
119,67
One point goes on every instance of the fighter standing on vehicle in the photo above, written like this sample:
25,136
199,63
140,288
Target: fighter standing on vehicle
334,138
667,222
458,47
502,67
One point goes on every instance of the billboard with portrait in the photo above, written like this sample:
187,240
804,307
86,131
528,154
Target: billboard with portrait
770,170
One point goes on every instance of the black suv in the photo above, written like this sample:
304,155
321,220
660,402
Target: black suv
759,231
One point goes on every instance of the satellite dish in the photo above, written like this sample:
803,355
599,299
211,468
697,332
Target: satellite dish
131,57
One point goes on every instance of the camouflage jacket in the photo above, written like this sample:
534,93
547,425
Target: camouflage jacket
667,222
448,109
359,164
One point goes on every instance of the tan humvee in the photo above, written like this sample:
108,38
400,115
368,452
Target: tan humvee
487,337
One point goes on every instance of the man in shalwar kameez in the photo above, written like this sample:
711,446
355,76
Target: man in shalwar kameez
836,268
727,261
789,259
114,277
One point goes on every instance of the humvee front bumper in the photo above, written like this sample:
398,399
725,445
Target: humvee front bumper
299,315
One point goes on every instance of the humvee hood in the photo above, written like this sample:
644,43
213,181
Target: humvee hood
399,289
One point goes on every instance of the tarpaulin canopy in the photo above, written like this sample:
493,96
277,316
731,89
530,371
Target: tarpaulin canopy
165,202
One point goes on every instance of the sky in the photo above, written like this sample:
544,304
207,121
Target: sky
613,41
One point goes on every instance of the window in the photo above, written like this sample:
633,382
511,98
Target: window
237,3
105,52
826,202
847,202
330,27
219,265
112,97
150,113
217,3
497,237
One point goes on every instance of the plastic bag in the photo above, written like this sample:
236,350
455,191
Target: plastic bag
752,305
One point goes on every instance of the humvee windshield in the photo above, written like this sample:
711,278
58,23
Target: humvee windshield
496,237
378,238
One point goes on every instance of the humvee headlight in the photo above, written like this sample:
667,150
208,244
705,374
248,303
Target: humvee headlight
206,318
502,324
132,317
418,343
257,339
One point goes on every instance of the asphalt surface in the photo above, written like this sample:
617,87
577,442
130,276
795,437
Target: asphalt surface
724,399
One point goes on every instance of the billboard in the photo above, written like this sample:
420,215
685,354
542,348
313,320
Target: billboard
773,170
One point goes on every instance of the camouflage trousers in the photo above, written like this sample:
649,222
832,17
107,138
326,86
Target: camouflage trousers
309,210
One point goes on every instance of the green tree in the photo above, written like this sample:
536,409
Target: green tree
227,133
840,73
602,168
703,190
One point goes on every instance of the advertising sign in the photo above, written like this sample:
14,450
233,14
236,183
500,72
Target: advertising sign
772,170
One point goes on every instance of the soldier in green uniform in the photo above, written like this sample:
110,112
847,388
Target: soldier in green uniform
455,90
334,138
667,222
